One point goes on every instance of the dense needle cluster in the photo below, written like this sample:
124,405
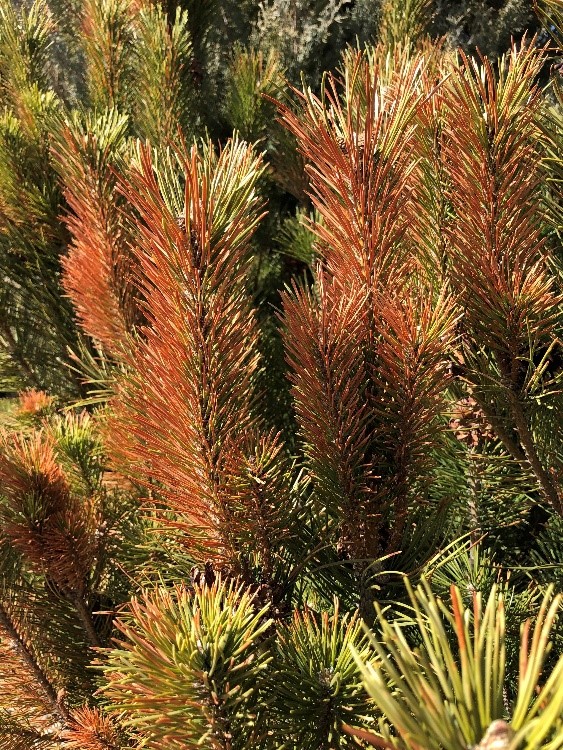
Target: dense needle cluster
281,435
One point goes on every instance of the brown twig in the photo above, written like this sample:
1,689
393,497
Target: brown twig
526,440
29,660
86,619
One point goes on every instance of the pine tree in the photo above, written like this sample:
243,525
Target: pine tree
285,467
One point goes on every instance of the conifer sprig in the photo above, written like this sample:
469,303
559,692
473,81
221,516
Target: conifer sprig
189,671
324,337
502,272
462,681
36,324
367,355
316,686
107,40
189,399
164,94
90,729
97,270
356,142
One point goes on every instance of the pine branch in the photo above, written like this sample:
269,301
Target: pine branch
256,475
52,529
254,79
403,23
357,143
316,684
97,269
46,687
550,13
32,239
408,394
368,362
163,97
324,341
430,180
85,616
26,35
464,703
107,40
509,442
89,729
55,530
187,407
546,481
188,673
502,273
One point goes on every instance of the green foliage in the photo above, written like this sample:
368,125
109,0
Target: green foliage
403,22
198,659
36,327
107,39
316,685
296,238
164,93
252,77
24,45
461,680
551,13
